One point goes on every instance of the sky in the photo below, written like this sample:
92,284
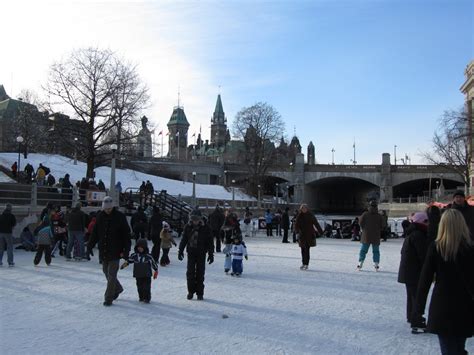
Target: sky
377,72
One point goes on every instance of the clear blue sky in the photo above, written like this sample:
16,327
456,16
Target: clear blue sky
379,71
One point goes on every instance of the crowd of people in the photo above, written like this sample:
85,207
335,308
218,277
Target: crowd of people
438,247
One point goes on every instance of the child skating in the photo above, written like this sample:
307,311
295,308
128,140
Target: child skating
144,267
166,242
238,252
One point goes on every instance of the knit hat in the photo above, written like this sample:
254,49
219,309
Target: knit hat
165,225
108,202
420,218
8,207
459,193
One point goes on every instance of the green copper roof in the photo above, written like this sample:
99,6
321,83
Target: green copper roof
178,117
219,116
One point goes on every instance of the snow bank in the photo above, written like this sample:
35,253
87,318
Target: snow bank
60,165
274,308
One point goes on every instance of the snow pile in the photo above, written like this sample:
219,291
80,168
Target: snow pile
60,165
274,308
5,178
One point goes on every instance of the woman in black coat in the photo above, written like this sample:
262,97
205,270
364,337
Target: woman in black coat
451,259
413,252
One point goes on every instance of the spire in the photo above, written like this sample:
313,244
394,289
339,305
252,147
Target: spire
219,116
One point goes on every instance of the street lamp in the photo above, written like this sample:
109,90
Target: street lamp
259,196
225,177
113,147
395,153
333,150
194,188
233,193
287,194
19,140
276,193
75,150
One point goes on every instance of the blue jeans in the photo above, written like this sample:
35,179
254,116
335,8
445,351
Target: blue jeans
71,238
452,345
237,266
6,241
364,248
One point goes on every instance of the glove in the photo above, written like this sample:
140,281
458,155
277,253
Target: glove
210,259
246,257
180,256
155,275
124,265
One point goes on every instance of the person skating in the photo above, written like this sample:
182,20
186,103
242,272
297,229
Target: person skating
238,251
7,222
138,223
112,234
247,222
77,226
166,242
197,240
155,227
413,255
144,267
459,203
451,259
307,227
45,240
216,220
229,230
268,222
27,240
285,224
372,224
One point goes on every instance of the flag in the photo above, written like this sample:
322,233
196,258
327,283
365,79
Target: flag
161,132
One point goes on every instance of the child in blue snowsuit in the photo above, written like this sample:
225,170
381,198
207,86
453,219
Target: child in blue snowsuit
229,230
238,252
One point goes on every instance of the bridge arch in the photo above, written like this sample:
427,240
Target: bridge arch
342,194
423,187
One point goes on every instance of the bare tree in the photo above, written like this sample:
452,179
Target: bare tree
260,126
102,91
451,146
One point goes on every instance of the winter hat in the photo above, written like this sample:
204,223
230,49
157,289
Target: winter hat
141,243
459,193
373,203
420,218
165,225
108,202
8,207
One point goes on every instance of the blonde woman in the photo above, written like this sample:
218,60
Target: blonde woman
451,259
306,226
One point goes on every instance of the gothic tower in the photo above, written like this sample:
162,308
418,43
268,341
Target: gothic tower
218,125
311,155
178,127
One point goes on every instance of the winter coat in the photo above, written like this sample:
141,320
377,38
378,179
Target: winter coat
452,307
305,226
156,224
216,219
167,239
413,252
77,220
112,234
247,217
268,217
238,251
372,224
45,237
138,219
468,214
7,222
197,239
231,228
143,264
285,220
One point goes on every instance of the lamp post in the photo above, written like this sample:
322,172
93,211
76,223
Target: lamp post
259,196
19,140
287,194
194,188
233,193
75,150
225,177
276,194
395,153
113,147
332,151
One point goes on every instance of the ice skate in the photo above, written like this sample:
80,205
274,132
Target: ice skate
376,266
359,266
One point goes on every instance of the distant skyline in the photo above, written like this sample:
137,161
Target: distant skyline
380,72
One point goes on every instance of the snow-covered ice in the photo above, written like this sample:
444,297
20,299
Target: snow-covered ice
274,308
61,165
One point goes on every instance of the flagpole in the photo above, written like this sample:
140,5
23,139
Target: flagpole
162,144
178,144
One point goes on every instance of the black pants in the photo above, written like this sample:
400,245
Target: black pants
165,259
285,235
278,229
114,288
294,236
155,250
269,230
411,295
452,345
144,288
39,254
305,254
139,231
216,235
195,273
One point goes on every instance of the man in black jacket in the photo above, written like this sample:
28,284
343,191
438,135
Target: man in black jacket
7,222
112,233
77,222
156,224
460,204
197,239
